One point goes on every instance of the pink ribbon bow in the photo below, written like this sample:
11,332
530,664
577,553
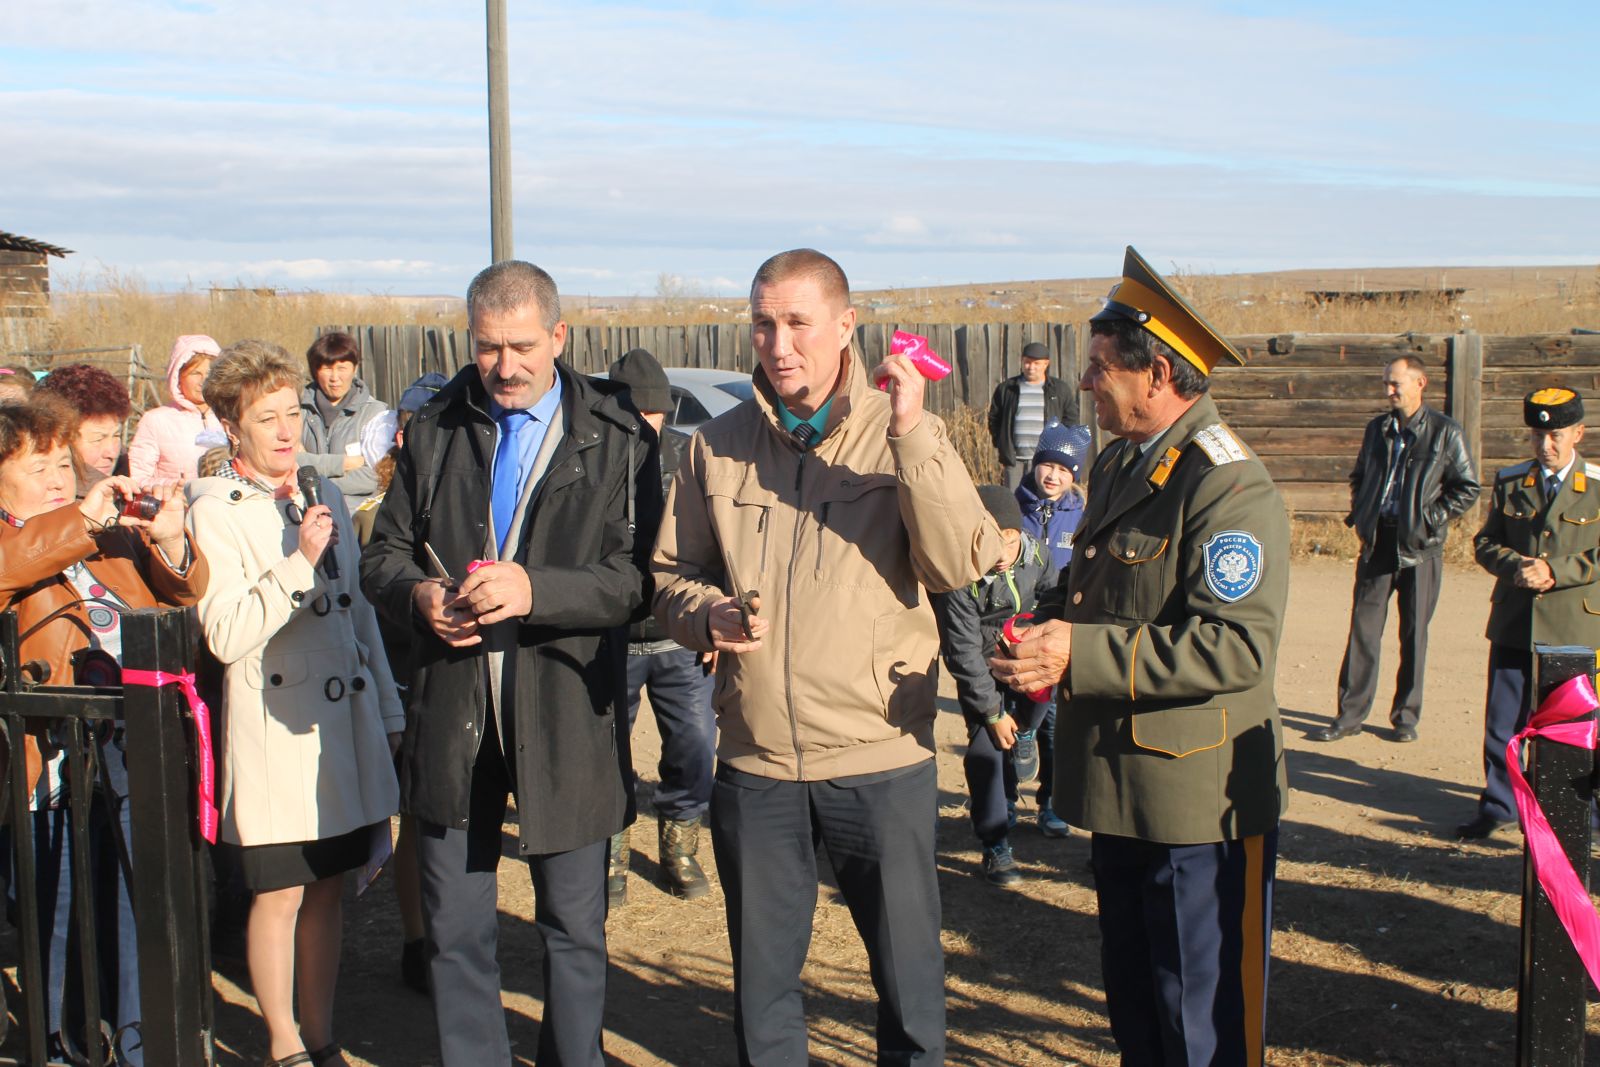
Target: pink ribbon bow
1552,721
207,785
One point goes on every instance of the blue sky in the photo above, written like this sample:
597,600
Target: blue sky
342,145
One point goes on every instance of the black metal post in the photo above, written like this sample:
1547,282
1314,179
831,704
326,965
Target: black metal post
31,965
1552,983
173,954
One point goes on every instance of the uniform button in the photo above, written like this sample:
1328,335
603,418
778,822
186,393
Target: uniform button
519,746
1549,533
358,683
297,596
1088,553
344,600
469,725
1128,554
1544,555
236,495
276,679
1077,598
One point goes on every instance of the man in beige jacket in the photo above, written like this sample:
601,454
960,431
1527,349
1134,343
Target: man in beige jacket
841,507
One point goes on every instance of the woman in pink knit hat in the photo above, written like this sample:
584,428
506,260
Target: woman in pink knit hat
170,439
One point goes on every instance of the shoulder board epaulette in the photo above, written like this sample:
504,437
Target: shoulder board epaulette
1516,470
1592,469
1219,443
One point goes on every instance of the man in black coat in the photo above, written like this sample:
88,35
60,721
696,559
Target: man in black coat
1022,407
1412,477
514,540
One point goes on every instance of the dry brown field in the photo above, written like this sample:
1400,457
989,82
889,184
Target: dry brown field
118,310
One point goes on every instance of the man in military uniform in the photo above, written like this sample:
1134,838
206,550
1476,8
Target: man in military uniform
1541,541
1163,639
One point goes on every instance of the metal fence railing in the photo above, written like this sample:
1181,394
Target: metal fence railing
162,853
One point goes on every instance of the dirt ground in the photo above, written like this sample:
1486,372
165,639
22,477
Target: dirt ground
1393,943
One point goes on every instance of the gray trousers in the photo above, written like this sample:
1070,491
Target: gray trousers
461,919
1417,590
879,833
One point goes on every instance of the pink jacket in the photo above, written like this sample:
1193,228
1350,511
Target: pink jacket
165,446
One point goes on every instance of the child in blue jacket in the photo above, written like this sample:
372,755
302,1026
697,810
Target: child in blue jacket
970,624
1051,496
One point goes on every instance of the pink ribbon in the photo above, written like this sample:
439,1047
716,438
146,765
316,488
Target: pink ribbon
207,785
1560,883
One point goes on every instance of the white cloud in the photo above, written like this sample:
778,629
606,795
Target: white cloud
344,144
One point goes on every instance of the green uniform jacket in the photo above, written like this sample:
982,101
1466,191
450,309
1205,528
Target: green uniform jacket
1168,729
1566,535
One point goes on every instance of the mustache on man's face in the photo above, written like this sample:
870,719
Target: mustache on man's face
516,381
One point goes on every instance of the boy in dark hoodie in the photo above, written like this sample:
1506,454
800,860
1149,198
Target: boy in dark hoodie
970,624
1051,496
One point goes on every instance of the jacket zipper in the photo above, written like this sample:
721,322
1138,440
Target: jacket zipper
788,625
822,524
761,529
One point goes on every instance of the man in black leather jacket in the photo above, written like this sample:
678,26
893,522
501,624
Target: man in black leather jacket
1411,478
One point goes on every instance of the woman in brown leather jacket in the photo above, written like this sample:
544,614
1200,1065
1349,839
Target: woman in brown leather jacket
70,570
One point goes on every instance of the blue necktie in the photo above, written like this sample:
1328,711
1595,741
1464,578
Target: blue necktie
1552,486
507,485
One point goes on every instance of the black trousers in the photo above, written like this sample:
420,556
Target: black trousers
1186,933
1417,588
460,914
879,833
991,772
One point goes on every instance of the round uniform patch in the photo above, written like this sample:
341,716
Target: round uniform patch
1233,564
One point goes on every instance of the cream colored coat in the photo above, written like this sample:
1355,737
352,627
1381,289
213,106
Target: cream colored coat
308,698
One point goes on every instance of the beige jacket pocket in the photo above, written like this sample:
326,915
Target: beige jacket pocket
1180,732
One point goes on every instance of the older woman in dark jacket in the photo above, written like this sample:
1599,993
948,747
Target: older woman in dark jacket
70,570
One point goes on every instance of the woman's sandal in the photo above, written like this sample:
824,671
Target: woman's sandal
329,1053
293,1059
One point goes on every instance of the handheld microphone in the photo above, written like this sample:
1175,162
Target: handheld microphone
311,489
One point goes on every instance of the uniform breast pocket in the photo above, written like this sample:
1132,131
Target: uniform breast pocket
1135,574
1580,520
860,539
1180,732
741,513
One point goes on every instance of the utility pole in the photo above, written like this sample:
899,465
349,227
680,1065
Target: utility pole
499,134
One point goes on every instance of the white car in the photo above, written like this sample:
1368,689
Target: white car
700,394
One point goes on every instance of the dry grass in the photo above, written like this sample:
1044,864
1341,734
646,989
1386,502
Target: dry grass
118,310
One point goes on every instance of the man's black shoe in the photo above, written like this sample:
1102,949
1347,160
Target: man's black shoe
1404,733
1479,828
1334,732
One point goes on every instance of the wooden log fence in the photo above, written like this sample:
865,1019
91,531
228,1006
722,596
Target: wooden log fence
1301,400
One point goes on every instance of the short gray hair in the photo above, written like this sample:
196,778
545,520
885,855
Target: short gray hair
512,284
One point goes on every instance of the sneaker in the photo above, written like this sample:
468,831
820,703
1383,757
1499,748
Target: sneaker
1051,824
1025,757
999,867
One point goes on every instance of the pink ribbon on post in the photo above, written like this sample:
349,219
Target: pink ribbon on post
1553,722
207,784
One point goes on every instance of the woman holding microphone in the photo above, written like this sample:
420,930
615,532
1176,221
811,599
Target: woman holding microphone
310,716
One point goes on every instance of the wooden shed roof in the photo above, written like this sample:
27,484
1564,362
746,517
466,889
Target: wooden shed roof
15,242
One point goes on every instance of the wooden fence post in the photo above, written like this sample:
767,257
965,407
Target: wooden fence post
1465,400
